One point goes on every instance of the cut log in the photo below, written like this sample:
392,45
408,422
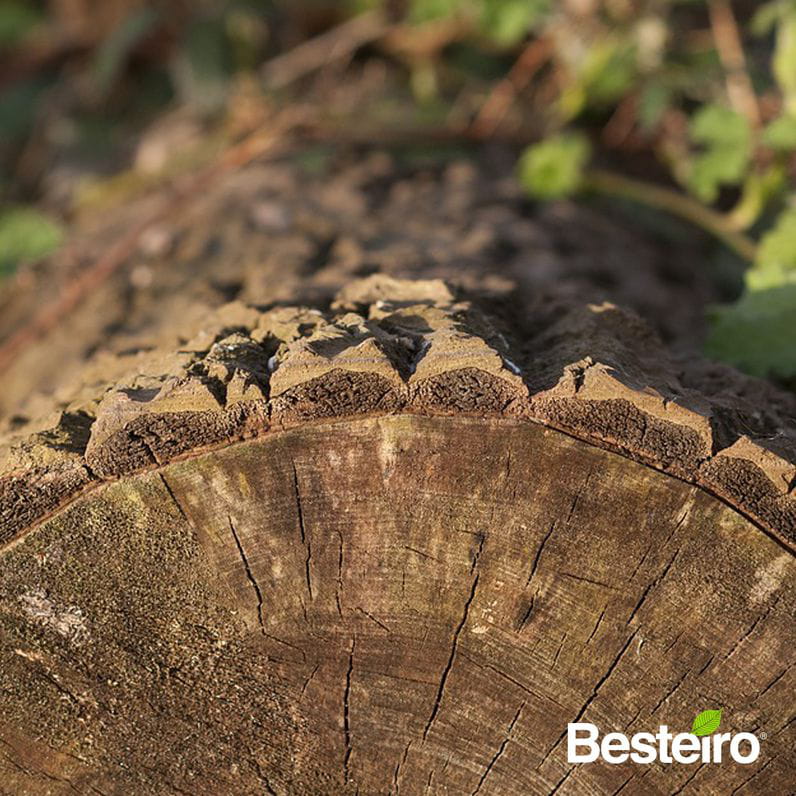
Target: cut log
395,547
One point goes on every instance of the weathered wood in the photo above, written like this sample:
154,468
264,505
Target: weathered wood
388,602
393,548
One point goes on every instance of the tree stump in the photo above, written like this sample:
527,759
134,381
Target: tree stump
395,546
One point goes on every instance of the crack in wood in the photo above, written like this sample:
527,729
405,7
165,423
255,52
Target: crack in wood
421,553
596,624
339,583
286,644
513,681
526,616
40,772
672,643
583,579
624,785
760,618
261,775
665,697
501,749
303,531
429,781
652,585
592,696
640,562
688,780
309,680
539,551
347,713
477,554
174,499
773,682
249,574
630,722
558,651
374,619
755,774
397,773
706,665
447,670
561,782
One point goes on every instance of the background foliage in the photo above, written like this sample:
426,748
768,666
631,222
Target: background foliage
688,106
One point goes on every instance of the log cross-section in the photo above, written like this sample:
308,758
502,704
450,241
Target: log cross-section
393,548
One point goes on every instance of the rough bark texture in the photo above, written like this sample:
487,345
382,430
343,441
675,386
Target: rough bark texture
389,346
394,546
276,233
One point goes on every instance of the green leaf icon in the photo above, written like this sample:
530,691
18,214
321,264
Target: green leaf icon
706,722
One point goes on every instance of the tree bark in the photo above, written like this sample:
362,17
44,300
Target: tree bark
394,546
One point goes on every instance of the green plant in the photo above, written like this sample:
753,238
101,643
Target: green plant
711,96
25,234
731,160
708,94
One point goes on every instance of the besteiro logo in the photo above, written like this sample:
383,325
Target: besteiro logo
699,745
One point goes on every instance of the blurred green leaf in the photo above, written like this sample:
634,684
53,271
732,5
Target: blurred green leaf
605,72
727,146
756,333
781,134
784,61
26,234
423,81
427,10
775,264
17,19
653,102
114,51
554,167
508,21
470,60
766,17
613,71
758,191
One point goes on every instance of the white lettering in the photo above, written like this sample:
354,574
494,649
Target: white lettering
584,745
644,745
664,736
718,741
735,748
573,741
686,742
614,742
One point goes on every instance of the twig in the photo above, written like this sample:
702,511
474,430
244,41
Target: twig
336,43
619,127
503,95
728,43
617,185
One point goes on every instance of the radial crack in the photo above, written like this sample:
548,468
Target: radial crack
592,696
303,531
347,713
447,670
499,752
173,497
249,574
